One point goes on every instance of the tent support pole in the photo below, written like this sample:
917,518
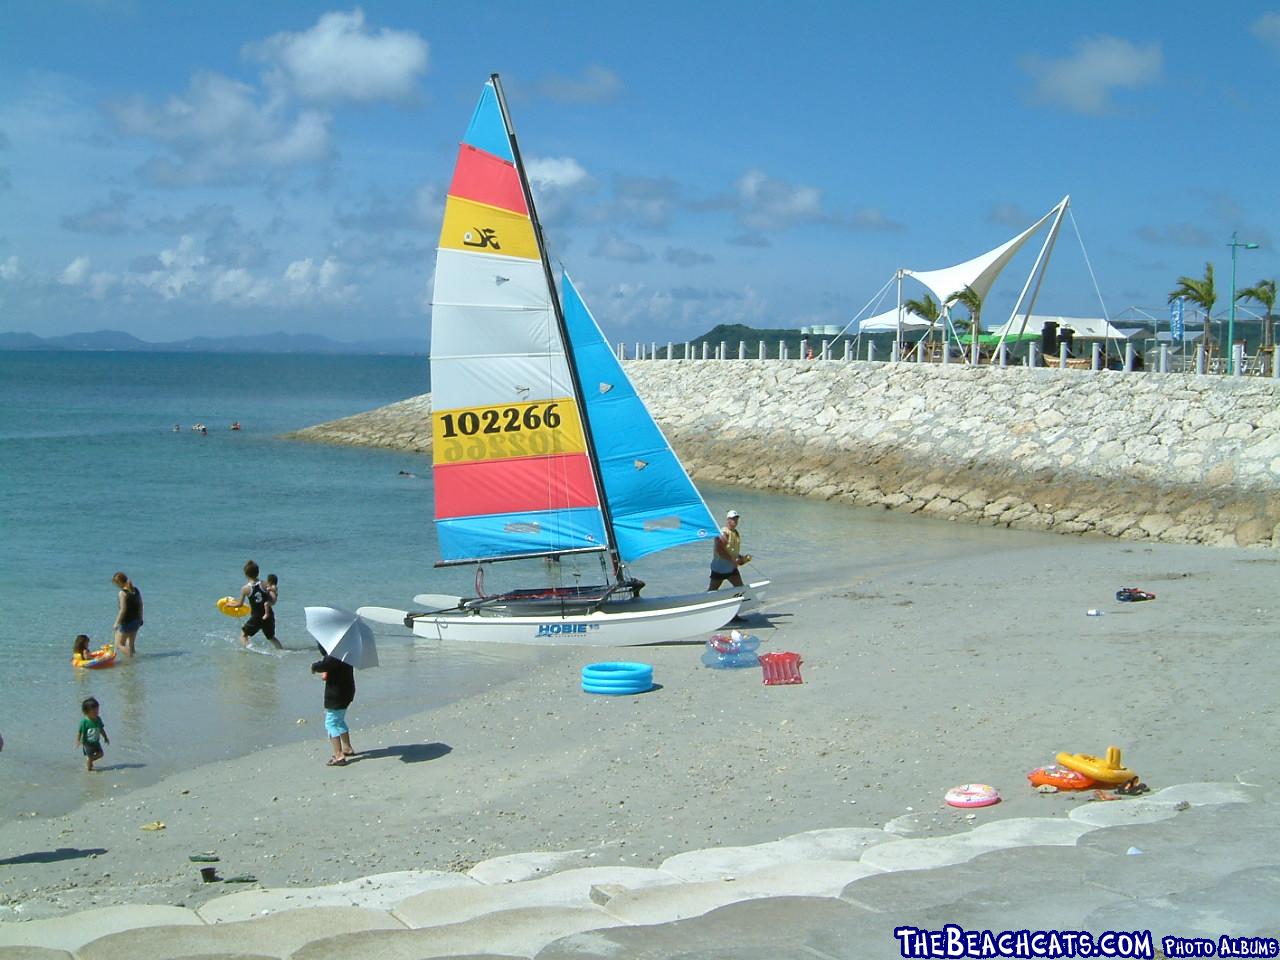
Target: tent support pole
1039,267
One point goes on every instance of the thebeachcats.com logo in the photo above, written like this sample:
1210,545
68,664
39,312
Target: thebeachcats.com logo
955,941
561,629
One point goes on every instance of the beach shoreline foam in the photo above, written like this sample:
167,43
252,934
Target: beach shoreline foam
914,682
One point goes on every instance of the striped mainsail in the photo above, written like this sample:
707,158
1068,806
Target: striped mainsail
512,438
512,477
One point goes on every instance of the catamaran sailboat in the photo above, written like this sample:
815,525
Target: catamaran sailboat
540,445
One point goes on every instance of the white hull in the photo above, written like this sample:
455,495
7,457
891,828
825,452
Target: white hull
621,623
753,595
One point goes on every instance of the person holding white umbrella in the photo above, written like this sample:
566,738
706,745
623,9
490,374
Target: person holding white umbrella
347,643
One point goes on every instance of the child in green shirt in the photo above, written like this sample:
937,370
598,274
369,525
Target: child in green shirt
91,733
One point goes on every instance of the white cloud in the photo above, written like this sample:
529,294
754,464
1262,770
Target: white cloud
561,173
100,284
428,203
627,307
687,257
307,283
1009,215
76,272
106,218
1267,29
342,59
181,270
871,218
613,247
596,85
648,201
1083,82
9,269
238,285
219,129
769,204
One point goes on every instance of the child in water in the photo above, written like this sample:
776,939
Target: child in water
273,597
92,733
81,650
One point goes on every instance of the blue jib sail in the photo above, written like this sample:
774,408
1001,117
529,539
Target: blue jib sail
653,502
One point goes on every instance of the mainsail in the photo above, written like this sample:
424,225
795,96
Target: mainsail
512,474
539,447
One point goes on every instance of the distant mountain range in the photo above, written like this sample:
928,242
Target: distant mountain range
260,343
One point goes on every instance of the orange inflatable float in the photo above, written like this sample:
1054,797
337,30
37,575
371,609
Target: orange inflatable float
1063,778
1106,770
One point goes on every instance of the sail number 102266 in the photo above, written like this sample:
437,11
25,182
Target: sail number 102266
499,420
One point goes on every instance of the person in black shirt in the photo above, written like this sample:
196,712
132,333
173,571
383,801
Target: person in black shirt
339,690
129,614
258,596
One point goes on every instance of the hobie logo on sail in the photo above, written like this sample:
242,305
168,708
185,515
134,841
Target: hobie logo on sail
482,237
559,629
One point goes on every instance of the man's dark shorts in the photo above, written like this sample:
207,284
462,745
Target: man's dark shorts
267,626
718,578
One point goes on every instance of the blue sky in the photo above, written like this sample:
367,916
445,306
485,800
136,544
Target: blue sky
182,169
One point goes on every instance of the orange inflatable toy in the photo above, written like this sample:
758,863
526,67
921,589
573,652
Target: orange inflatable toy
1063,778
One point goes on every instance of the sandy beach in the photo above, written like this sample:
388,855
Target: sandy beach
915,680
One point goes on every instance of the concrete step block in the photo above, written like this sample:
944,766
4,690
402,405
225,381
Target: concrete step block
571,888
277,935
516,933
717,863
381,891
72,932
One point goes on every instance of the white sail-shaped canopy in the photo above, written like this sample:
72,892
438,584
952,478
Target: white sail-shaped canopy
980,272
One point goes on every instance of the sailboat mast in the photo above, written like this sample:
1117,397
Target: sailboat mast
570,359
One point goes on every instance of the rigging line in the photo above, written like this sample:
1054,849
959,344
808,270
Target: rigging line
876,298
1075,226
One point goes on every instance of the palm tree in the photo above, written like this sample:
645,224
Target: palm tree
1263,292
1199,290
971,300
926,309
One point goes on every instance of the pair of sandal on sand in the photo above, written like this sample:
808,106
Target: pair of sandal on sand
340,761
1130,788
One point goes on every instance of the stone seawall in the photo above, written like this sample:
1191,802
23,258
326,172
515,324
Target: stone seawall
1169,457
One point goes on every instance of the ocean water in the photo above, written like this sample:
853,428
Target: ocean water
93,479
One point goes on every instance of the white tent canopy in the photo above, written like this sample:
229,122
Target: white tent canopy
887,322
980,272
1086,328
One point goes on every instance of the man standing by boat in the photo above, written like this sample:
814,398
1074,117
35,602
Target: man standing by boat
727,555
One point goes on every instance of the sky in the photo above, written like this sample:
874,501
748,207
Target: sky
236,168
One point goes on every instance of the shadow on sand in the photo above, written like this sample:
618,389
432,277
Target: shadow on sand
407,752
52,856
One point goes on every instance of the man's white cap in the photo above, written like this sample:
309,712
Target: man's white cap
731,515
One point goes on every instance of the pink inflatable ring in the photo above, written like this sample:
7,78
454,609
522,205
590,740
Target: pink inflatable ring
972,795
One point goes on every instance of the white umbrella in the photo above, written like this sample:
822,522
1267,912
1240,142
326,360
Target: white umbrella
343,635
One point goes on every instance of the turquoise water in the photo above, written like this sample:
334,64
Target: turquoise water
93,480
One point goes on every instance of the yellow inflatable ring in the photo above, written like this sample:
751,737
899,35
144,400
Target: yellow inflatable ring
1108,769
104,657
232,607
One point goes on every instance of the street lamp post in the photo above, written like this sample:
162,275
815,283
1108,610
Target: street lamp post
1231,322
